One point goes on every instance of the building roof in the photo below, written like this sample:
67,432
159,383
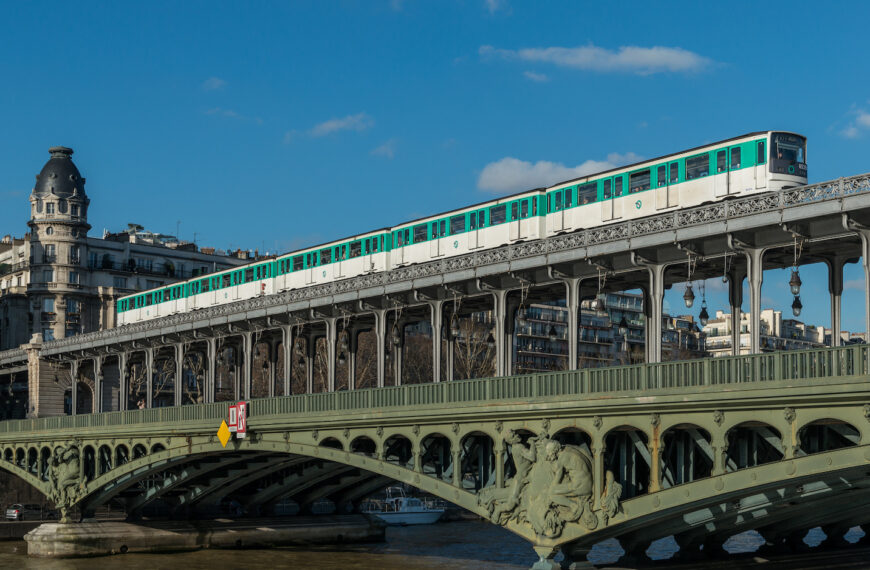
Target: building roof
59,176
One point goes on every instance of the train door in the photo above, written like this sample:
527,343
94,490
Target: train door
666,176
514,221
525,222
339,253
310,266
611,205
556,212
400,240
476,225
437,230
760,165
721,181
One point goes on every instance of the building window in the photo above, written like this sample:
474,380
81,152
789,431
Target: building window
61,206
49,231
74,277
49,207
47,334
74,209
50,255
149,284
92,260
120,282
48,305
74,254
72,306
48,275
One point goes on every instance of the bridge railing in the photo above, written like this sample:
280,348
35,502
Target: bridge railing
818,364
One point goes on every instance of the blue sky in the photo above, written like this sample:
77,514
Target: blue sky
278,125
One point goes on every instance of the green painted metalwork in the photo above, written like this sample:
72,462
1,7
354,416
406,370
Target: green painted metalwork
558,486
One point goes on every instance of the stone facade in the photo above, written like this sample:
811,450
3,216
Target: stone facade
57,281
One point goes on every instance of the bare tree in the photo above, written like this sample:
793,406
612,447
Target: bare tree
473,356
194,362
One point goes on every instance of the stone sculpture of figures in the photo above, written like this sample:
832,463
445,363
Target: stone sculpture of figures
64,476
610,498
552,487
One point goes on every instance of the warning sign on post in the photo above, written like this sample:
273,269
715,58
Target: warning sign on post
241,419
233,420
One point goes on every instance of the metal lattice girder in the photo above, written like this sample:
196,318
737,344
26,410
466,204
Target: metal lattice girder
213,490
295,484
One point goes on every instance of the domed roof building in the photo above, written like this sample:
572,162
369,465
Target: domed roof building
59,177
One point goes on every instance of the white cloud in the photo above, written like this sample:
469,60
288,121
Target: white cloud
853,284
213,83
358,122
627,59
860,122
536,77
513,175
387,150
863,119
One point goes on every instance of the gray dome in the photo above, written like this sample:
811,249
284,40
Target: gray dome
59,176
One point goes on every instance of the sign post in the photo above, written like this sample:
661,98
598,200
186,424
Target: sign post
241,419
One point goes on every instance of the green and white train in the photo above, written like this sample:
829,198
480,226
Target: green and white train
752,163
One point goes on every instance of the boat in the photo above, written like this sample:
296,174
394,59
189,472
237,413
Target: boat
399,509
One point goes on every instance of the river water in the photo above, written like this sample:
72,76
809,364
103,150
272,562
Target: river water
444,546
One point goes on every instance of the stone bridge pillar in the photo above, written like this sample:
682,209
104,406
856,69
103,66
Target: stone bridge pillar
755,261
330,353
245,386
149,380
74,386
381,338
499,297
653,312
572,301
211,357
287,346
98,384
437,309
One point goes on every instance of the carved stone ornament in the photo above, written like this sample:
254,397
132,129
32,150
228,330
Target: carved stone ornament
380,431
718,417
415,429
597,421
315,434
545,424
64,476
789,415
455,427
346,433
498,426
867,412
655,420
552,487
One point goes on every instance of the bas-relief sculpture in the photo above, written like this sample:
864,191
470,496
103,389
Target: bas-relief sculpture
64,476
553,486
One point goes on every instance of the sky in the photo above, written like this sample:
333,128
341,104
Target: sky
275,126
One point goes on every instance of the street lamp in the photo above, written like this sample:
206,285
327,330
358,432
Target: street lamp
397,334
551,334
521,317
795,282
341,358
689,296
454,325
704,316
490,340
797,306
623,330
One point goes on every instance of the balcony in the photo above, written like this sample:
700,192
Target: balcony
160,269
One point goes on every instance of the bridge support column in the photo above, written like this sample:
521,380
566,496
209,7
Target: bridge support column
381,339
398,353
437,309
755,259
835,288
499,466
653,312
451,347
572,302
179,371
311,349
122,381
210,356
149,376
287,346
546,555
98,385
330,353
499,298
598,474
247,348
352,345
456,452
735,299
74,384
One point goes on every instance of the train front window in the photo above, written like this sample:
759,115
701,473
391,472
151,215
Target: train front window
788,154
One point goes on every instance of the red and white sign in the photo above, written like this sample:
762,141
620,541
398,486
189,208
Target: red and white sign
233,421
242,419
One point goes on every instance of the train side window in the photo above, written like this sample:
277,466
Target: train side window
535,206
375,244
442,228
497,215
549,203
617,186
355,249
434,230
761,155
557,204
524,209
697,167
407,236
735,157
298,263
569,195
472,221
419,233
515,210
639,181
325,256
587,193
675,172
457,224
661,176
481,219
607,189
721,161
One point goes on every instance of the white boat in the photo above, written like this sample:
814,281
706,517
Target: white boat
399,510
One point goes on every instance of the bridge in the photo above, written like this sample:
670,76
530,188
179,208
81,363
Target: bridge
699,449
696,449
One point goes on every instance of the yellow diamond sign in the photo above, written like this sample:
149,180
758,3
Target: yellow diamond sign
224,434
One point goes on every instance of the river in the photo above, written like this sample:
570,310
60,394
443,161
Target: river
446,546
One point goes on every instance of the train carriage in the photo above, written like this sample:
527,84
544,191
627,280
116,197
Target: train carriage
755,162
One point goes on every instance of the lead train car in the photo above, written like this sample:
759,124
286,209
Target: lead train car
755,162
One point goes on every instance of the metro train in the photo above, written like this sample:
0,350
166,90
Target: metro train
756,162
